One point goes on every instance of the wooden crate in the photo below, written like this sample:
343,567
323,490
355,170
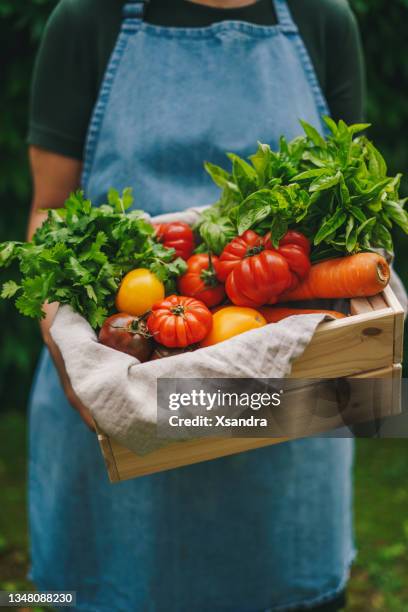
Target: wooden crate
367,344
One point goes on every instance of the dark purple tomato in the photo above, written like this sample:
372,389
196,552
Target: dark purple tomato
127,334
163,351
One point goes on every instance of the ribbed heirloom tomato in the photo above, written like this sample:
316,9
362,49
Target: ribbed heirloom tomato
176,235
200,280
256,273
295,248
179,321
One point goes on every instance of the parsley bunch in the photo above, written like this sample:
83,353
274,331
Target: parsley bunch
81,253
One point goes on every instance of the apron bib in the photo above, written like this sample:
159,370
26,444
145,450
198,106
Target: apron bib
265,530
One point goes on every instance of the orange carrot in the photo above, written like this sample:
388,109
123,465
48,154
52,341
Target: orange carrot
273,314
359,275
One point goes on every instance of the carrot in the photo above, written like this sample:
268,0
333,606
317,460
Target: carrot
273,314
359,275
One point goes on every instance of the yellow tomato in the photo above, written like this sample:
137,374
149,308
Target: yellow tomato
231,321
138,291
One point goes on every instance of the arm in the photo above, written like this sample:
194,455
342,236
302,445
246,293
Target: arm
54,178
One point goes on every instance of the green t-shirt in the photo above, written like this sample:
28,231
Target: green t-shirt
81,34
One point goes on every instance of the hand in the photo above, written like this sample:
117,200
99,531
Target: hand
51,310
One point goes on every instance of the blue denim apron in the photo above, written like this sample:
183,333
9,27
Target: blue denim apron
265,530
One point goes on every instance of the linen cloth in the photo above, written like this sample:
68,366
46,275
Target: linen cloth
121,392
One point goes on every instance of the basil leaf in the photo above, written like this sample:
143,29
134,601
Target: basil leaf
220,176
358,213
382,237
397,214
245,176
325,182
313,134
253,216
278,229
307,174
330,226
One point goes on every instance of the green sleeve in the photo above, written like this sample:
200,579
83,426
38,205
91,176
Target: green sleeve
331,35
66,78
345,71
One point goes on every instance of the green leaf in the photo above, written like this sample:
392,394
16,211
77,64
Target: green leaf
308,174
358,213
395,211
252,216
351,235
367,226
332,125
330,226
245,176
313,134
325,182
355,128
220,176
382,237
376,162
216,234
120,203
9,289
278,229
262,162
8,251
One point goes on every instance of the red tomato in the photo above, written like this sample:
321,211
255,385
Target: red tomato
179,321
294,247
127,334
291,237
258,279
298,261
249,243
176,235
200,280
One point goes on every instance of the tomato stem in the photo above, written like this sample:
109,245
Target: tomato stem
208,276
255,250
178,310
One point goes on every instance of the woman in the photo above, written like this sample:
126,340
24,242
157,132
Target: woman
186,81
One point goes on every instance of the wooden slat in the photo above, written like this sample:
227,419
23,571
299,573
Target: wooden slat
378,302
349,346
108,455
180,454
394,304
129,465
360,306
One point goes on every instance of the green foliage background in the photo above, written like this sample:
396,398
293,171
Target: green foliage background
383,29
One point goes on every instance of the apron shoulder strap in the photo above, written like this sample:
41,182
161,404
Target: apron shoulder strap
135,9
284,16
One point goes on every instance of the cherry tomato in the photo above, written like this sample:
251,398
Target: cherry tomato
249,243
176,235
127,334
138,291
179,321
231,321
200,280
